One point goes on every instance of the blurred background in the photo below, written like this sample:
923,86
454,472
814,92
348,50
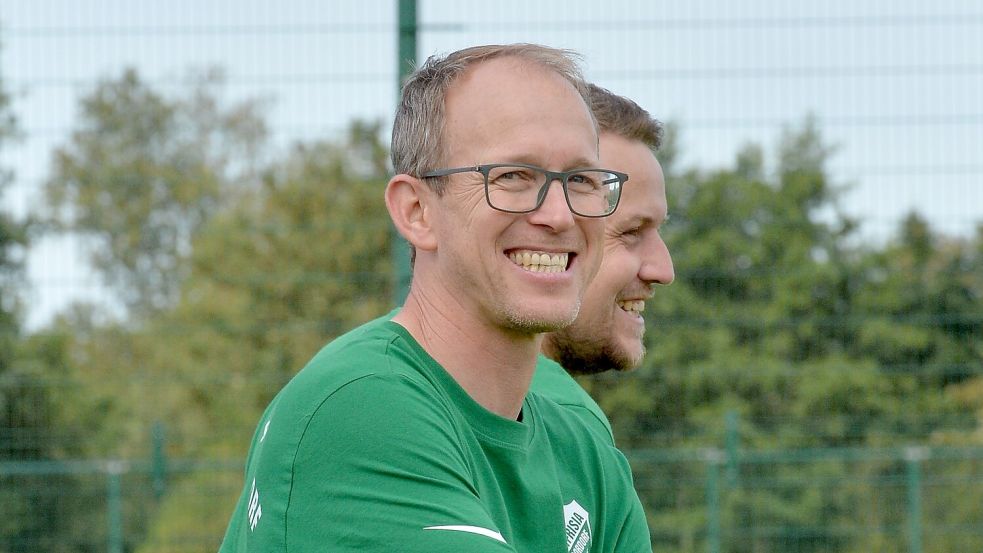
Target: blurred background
192,207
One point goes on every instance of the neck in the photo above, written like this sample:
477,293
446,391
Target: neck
493,364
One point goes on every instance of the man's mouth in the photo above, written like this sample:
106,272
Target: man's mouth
632,306
540,262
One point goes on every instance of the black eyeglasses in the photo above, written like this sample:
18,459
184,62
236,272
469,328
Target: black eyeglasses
521,188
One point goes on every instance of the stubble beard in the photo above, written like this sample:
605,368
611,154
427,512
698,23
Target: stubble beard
526,323
585,355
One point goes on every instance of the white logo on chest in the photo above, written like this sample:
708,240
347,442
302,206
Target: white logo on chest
576,521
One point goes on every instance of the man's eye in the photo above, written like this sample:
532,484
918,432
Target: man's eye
586,182
515,176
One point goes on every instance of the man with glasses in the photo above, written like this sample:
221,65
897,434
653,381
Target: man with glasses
417,433
607,334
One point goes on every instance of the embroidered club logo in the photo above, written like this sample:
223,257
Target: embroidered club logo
576,521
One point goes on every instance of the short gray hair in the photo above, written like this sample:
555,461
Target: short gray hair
418,128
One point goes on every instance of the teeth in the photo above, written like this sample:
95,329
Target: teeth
540,262
634,306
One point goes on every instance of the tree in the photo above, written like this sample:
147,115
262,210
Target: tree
779,315
13,241
776,317
143,172
280,271
25,410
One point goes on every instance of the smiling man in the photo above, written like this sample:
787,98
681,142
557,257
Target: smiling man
416,433
607,334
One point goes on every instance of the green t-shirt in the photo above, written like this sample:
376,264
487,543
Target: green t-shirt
375,447
554,382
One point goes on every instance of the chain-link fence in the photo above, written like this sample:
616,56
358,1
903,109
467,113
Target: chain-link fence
854,366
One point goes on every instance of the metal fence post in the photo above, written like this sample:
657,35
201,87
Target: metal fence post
405,64
114,506
714,458
732,443
159,460
914,455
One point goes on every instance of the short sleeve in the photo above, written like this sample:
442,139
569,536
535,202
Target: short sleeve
381,466
634,533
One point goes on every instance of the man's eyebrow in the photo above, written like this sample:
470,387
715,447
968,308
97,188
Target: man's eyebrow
638,221
583,162
645,221
577,163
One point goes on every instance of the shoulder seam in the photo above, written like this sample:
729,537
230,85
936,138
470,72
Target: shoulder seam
593,415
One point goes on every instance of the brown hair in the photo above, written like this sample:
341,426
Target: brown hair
619,115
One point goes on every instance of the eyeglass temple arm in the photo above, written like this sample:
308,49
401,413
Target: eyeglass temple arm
446,172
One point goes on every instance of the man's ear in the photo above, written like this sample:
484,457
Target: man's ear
409,201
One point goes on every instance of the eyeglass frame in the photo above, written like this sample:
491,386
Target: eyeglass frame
551,176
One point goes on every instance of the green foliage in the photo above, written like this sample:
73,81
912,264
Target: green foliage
779,316
24,400
283,270
187,521
142,173
273,279
235,273
274,274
